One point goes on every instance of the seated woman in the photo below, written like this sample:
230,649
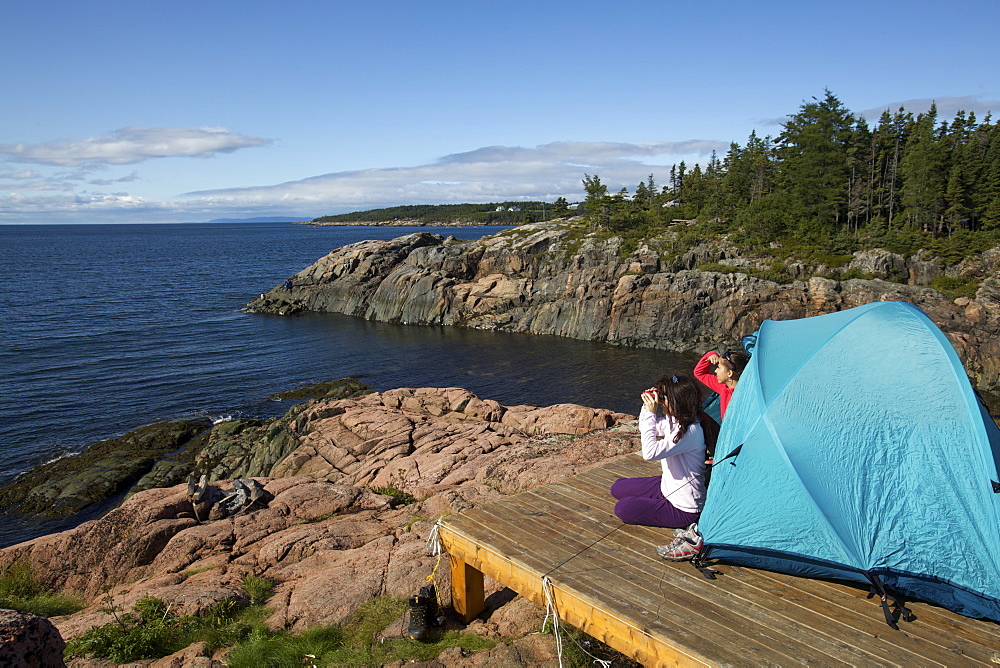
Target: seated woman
671,432
723,379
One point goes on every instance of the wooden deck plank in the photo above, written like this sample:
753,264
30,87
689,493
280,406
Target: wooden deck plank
966,640
613,584
677,626
806,629
610,587
941,641
652,603
939,625
626,636
654,586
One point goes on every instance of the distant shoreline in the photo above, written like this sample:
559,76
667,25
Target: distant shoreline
402,223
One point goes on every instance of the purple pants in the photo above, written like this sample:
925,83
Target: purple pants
641,502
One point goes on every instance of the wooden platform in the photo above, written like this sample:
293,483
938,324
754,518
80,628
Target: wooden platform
607,581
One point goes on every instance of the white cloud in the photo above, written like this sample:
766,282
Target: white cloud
493,173
107,182
23,175
947,107
485,174
131,145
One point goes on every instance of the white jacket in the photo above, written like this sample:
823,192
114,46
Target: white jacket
683,463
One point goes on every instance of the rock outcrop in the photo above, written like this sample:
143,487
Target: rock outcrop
425,439
29,641
68,485
332,532
546,278
156,455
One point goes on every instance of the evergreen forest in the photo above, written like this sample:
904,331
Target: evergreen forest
495,213
830,182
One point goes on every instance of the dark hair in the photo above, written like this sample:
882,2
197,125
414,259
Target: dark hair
736,360
683,397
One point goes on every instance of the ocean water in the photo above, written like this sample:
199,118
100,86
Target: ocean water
106,328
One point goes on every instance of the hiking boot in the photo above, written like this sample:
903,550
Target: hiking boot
685,546
423,613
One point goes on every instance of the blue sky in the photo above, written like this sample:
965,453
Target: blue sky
188,111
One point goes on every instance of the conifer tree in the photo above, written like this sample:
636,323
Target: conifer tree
813,152
922,170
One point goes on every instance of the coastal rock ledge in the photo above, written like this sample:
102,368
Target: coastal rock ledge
353,489
547,278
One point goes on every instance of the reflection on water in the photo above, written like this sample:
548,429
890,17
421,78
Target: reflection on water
510,368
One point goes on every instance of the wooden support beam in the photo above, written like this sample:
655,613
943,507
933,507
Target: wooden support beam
467,593
627,637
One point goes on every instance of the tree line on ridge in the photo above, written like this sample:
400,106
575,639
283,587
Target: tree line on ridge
828,179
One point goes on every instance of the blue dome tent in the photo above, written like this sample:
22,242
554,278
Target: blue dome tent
855,448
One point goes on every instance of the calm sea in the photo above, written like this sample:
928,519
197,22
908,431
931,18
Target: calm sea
105,328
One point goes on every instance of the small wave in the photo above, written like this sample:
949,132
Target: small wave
71,453
11,475
222,418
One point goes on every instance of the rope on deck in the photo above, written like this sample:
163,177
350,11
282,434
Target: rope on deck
434,539
550,613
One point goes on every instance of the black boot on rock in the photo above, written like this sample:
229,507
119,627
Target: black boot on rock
423,613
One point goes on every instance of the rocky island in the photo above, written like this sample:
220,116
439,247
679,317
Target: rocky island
554,278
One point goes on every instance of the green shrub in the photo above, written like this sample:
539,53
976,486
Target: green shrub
954,288
397,497
150,631
854,272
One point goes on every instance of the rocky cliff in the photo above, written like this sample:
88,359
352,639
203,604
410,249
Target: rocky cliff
549,278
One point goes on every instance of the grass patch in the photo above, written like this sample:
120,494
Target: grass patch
953,288
355,643
152,630
258,590
19,590
831,260
408,527
776,272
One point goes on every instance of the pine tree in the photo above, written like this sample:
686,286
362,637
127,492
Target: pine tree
923,174
989,185
962,171
859,159
813,152
597,204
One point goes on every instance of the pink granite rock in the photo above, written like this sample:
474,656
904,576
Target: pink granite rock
29,641
330,541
